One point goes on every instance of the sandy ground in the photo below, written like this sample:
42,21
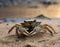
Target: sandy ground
38,40
25,12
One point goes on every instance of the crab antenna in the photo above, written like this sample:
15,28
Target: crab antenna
11,29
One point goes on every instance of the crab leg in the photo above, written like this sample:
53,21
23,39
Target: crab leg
17,32
11,29
49,31
49,27
15,26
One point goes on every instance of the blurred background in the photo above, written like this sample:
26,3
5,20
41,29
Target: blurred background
29,8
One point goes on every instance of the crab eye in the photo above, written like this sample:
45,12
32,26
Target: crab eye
24,21
34,20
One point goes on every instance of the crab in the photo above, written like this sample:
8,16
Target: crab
30,28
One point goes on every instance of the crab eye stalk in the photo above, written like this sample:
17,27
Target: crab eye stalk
34,20
24,21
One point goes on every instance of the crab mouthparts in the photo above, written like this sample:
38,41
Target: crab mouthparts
30,29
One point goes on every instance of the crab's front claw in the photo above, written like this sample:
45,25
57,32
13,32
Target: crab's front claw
35,30
24,31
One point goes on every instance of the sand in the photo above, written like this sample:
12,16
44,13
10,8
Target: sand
38,40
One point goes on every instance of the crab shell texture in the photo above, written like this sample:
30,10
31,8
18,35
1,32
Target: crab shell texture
30,27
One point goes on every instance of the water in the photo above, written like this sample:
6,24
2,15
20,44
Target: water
21,20
15,19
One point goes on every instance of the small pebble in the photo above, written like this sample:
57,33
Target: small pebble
27,45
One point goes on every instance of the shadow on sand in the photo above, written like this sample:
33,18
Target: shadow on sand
13,38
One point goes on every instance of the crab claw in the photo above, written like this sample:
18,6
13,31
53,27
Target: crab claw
24,31
37,29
